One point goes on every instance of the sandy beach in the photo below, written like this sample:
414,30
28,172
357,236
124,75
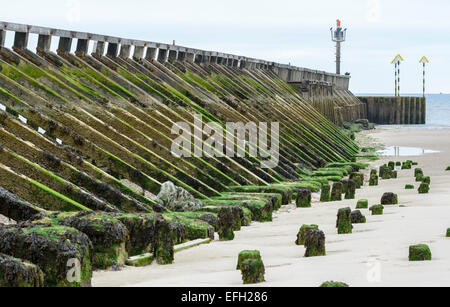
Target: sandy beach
376,254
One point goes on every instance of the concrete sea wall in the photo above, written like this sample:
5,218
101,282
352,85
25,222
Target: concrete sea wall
395,110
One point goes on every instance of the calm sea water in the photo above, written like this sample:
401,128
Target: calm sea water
438,109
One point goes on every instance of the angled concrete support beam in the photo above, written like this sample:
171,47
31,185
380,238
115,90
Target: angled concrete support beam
113,50
82,47
99,48
21,40
162,55
125,51
44,42
138,53
2,38
151,53
65,44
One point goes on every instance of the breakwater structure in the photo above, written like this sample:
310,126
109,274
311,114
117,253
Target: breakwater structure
395,110
86,170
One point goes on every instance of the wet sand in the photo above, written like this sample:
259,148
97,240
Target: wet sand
376,254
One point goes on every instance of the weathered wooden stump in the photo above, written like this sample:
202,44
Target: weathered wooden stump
301,236
377,209
424,188
389,199
344,221
351,191
253,271
417,172
358,178
384,169
226,232
362,204
358,217
391,165
333,284
336,193
325,194
406,166
315,243
303,198
420,252
344,186
247,255
374,180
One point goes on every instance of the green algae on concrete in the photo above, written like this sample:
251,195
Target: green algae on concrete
333,284
108,235
253,271
226,232
336,193
374,180
303,198
377,209
52,249
325,195
19,274
351,190
315,243
362,204
246,255
420,252
424,188
344,221
389,199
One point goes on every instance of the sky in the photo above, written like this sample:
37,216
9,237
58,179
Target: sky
284,31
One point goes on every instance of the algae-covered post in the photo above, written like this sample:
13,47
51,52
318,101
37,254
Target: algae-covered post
344,221
315,243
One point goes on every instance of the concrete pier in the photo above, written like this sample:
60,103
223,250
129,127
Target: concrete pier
2,38
82,47
21,40
99,48
65,44
113,50
44,42
395,110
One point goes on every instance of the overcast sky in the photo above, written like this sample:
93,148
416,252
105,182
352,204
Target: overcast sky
285,31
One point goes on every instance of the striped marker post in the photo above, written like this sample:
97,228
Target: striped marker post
396,80
397,61
424,61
